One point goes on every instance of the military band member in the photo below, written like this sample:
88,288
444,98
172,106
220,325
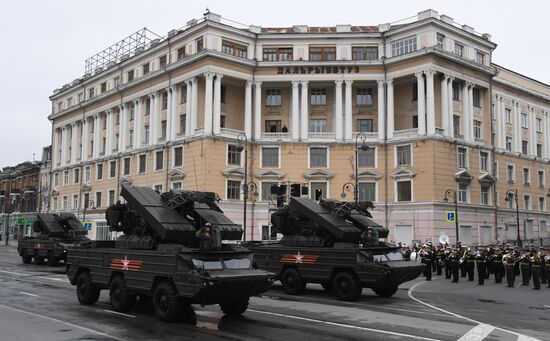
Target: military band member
547,267
440,260
525,265
426,258
480,264
489,268
498,266
542,270
448,269
453,263
509,261
470,264
536,270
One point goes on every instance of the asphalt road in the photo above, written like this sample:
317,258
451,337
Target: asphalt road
38,303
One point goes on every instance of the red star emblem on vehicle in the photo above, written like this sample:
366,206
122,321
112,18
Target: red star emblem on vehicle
299,258
126,264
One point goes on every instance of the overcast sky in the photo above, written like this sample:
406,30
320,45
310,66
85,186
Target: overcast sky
44,43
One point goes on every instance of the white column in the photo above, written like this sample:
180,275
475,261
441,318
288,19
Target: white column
338,117
96,136
450,106
74,142
420,103
168,113
188,101
175,114
195,105
123,127
391,123
138,123
248,109
304,112
257,110
295,126
546,132
499,116
208,103
348,126
516,127
109,133
465,110
381,110
64,144
153,116
85,139
470,125
444,106
217,104
532,132
430,102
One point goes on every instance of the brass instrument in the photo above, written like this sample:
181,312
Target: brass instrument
463,258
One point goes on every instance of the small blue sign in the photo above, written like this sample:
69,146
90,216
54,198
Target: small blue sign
87,226
450,216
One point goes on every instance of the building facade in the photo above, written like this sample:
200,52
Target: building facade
424,95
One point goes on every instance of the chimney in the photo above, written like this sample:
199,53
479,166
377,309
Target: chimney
429,13
467,28
384,27
255,29
343,28
299,28
447,19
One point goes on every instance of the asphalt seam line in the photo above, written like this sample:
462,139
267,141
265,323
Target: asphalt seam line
28,294
117,313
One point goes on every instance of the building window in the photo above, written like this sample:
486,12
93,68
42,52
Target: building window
65,177
234,49
277,54
142,168
233,156
178,156
181,53
54,203
91,93
116,81
538,125
367,191
126,166
404,190
75,201
145,69
366,158
527,202
524,120
364,53
146,133
318,126
273,98
266,190
477,129
456,125
318,157
177,186
162,62
64,202
403,155
540,178
159,160
322,53
200,44
484,195
526,176
86,202
272,126
99,171
509,143
484,161
476,96
81,97
539,150
130,75
131,138
267,233
440,41
183,94
462,192
111,197
542,206
233,189
56,179
508,115
87,174
480,57
403,46
510,173
364,96
112,169
97,199
164,105
103,87
459,49
511,203
158,188
456,92
462,157
163,129
318,96
524,147
270,157
77,175
363,125
318,190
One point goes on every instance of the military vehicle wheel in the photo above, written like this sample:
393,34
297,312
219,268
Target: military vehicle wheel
234,308
119,294
52,260
293,283
86,291
37,259
166,302
385,291
25,257
346,286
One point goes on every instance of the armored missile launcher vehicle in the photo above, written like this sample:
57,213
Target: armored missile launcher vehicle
173,250
336,244
55,232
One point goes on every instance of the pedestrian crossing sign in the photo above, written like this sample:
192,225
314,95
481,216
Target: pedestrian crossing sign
451,216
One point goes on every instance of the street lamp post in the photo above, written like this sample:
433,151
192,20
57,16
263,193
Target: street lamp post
452,192
509,194
240,147
364,147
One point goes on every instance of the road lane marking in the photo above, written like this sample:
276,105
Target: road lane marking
479,332
28,294
14,273
336,324
522,337
117,313
60,321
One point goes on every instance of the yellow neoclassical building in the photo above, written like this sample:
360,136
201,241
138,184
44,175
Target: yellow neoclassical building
422,94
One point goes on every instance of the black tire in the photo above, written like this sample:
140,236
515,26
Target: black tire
52,260
27,259
37,259
119,295
166,303
346,286
292,282
234,308
385,291
327,286
86,292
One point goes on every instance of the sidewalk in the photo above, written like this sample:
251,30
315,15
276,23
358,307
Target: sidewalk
12,244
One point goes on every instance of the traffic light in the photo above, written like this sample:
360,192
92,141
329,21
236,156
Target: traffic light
295,190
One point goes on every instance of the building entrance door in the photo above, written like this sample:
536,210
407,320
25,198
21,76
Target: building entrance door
485,235
465,235
403,234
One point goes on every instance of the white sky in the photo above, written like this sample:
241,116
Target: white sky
43,44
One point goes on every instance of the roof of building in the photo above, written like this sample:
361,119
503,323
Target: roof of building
319,29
